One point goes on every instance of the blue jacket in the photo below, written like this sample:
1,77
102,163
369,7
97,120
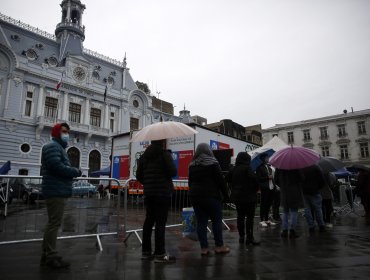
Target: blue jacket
56,170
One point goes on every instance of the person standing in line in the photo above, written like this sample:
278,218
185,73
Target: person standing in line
363,186
155,171
266,183
312,184
327,198
207,188
244,189
275,200
289,182
57,174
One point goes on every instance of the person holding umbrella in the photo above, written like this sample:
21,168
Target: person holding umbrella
207,188
267,187
244,189
155,171
313,182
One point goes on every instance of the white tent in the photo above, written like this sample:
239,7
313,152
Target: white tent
275,143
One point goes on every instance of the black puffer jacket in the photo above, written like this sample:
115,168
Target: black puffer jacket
207,181
313,180
244,185
155,171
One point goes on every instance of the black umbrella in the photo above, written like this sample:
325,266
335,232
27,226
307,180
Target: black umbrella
330,164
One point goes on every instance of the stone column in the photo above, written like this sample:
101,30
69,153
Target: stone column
40,101
106,116
87,112
69,11
65,107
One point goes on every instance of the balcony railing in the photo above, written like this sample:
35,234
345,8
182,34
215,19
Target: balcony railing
79,127
342,135
307,139
324,137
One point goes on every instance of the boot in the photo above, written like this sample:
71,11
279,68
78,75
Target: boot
293,234
284,233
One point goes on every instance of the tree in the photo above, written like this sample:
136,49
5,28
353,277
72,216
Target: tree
143,86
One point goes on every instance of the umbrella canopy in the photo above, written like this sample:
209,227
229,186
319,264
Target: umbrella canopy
294,158
163,130
342,173
5,168
330,164
102,172
357,167
275,144
256,158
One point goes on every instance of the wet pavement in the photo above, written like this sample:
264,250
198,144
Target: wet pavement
342,252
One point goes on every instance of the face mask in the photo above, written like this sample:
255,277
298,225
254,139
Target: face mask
64,137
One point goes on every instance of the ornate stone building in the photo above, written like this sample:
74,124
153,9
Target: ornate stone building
97,97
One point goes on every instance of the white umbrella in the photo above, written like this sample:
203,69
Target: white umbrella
163,130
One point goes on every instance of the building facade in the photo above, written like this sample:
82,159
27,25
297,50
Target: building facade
345,136
97,95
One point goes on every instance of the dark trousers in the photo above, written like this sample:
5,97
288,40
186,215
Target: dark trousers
276,205
205,209
267,197
55,210
327,210
156,214
245,211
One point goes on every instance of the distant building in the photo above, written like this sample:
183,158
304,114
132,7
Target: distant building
97,95
185,116
254,134
345,136
199,120
230,128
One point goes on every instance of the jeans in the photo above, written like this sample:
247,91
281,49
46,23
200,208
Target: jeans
156,214
204,209
313,204
245,210
291,213
267,197
55,210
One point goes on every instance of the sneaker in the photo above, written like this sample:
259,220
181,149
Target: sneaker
328,225
222,250
263,224
204,252
147,256
57,263
165,258
271,223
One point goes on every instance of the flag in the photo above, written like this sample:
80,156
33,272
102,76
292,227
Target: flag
105,92
59,83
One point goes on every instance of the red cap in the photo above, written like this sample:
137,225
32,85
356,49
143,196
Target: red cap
55,131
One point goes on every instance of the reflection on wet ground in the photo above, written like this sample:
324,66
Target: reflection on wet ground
342,252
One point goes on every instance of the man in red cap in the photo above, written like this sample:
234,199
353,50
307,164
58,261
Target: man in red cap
57,174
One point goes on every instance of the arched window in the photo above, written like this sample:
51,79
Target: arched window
74,157
94,161
75,16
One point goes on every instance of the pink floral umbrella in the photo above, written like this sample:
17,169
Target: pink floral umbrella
294,158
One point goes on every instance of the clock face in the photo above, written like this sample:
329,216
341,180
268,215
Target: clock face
79,74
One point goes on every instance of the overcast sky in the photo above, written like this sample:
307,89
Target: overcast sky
262,61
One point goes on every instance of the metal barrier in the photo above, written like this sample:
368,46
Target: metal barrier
86,214
179,200
89,214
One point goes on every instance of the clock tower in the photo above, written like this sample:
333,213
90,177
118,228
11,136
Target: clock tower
70,32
